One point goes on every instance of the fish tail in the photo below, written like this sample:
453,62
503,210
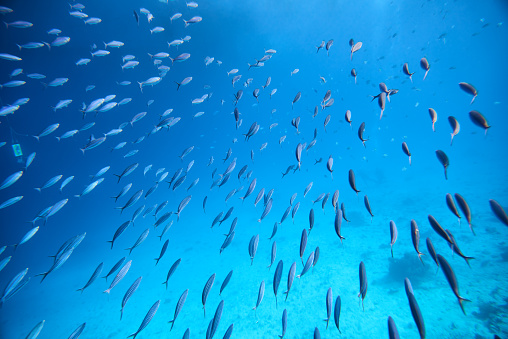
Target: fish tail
36,137
157,261
112,242
172,322
461,305
133,335
467,260
44,275
107,291
178,85
105,45
6,24
81,289
58,138
471,227
420,257
392,251
20,50
37,189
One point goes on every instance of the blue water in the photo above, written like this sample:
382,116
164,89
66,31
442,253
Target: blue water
464,41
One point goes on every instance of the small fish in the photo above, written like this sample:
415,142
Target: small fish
352,181
405,69
405,149
147,319
425,65
433,116
479,120
393,235
363,283
120,275
415,237
469,89
443,159
452,280
355,48
417,315
179,306
498,211
261,294
455,127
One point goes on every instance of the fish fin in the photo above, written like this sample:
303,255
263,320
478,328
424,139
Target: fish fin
37,189
172,322
44,275
461,305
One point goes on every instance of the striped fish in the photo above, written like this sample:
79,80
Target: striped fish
216,320
336,312
119,232
147,319
329,305
94,276
34,333
129,294
291,278
206,291
141,238
171,271
261,294
163,250
121,274
284,323
253,247
179,306
77,332
59,262
114,268
225,282
276,279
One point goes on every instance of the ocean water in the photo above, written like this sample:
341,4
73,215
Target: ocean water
463,41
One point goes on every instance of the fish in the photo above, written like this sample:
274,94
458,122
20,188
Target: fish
10,201
147,319
34,333
405,69
451,205
172,271
363,283
415,237
253,247
261,294
11,179
284,321
77,332
94,276
129,294
425,65
367,206
297,97
308,265
163,250
226,282
455,127
182,205
138,242
432,251
60,260
443,159
498,211
393,235
361,129
179,306
406,151
355,48
464,207
329,305
291,278
352,181
26,237
114,268
455,248
133,199
469,89
336,312
120,275
338,224
328,46
417,314
479,120
452,280
206,291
